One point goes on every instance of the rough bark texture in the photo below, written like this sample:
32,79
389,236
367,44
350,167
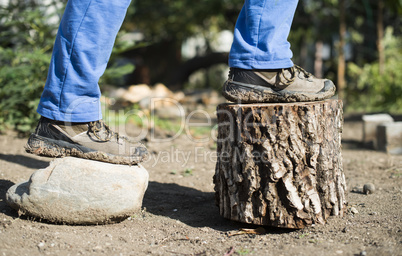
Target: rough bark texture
280,164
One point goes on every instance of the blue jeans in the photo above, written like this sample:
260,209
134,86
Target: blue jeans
87,33
81,52
260,36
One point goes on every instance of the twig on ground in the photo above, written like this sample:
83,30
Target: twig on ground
230,252
244,231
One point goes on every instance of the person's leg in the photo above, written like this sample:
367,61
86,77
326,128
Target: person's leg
71,122
261,35
261,69
81,51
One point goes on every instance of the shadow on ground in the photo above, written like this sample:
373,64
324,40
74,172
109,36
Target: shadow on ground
354,144
25,161
4,186
193,207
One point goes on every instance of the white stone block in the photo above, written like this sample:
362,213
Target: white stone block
370,123
389,137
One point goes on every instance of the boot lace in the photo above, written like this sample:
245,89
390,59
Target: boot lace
286,81
101,131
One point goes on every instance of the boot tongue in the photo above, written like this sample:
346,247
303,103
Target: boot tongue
280,79
73,129
98,125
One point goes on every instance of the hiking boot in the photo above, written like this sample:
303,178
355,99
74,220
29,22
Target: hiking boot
283,85
92,140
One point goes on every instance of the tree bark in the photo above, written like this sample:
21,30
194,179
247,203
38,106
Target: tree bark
280,164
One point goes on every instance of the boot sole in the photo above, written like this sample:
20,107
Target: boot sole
246,93
43,146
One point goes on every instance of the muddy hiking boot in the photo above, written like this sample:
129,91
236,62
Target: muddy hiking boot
283,85
92,140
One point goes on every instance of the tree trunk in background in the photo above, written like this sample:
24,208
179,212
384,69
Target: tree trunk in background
280,164
303,54
318,59
341,54
154,63
179,76
380,34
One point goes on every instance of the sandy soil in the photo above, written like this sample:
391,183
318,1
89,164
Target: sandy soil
179,216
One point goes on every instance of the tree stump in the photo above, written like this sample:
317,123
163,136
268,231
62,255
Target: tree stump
280,164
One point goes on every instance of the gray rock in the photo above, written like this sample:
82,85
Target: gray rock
353,210
368,188
79,191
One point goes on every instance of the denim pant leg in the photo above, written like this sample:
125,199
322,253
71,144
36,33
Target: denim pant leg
81,51
260,36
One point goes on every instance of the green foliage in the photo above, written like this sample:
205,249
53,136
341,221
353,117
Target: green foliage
22,76
25,50
243,251
24,25
188,172
371,91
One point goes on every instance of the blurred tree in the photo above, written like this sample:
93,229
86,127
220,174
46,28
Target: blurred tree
166,24
394,7
371,91
341,46
380,35
26,40
316,23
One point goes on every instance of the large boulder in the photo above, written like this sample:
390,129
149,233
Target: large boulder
79,191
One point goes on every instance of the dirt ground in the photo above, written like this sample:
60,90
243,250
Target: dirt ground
179,216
